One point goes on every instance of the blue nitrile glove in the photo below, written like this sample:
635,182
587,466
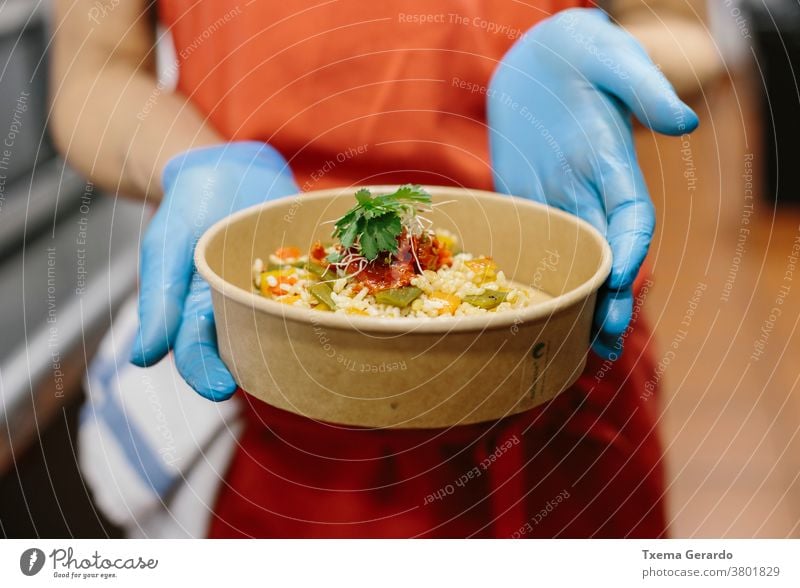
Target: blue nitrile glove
201,186
559,109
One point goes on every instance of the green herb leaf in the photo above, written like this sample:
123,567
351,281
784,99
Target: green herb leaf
411,192
363,196
348,236
369,245
375,223
386,228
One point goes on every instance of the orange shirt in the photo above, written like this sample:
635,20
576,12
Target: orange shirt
352,91
387,92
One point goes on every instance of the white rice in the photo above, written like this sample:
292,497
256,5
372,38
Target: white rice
458,279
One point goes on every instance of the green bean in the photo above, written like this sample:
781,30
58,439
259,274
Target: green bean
488,300
323,292
400,297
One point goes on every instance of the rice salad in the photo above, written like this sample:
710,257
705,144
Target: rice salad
389,263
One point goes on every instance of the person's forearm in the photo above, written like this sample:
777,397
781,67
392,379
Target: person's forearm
110,119
122,132
675,36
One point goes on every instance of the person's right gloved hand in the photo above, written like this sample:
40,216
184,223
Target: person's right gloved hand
201,186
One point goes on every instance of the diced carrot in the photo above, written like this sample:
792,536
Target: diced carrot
277,290
445,257
287,252
271,281
264,286
453,301
317,253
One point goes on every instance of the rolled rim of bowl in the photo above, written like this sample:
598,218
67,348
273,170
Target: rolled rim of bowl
402,325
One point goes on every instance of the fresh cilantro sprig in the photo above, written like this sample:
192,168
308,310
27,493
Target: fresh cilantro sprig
376,221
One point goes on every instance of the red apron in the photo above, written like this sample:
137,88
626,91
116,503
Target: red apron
389,92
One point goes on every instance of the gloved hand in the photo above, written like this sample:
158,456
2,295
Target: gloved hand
201,186
559,107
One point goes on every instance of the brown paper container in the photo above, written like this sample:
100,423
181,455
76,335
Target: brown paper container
359,370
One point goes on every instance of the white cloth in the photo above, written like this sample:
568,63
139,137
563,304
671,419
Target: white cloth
152,450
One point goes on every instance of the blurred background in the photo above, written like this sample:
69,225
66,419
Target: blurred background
725,257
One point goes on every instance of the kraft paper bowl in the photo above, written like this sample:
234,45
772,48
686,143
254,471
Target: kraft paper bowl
408,373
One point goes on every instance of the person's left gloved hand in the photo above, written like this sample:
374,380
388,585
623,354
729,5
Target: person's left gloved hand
559,112
201,186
